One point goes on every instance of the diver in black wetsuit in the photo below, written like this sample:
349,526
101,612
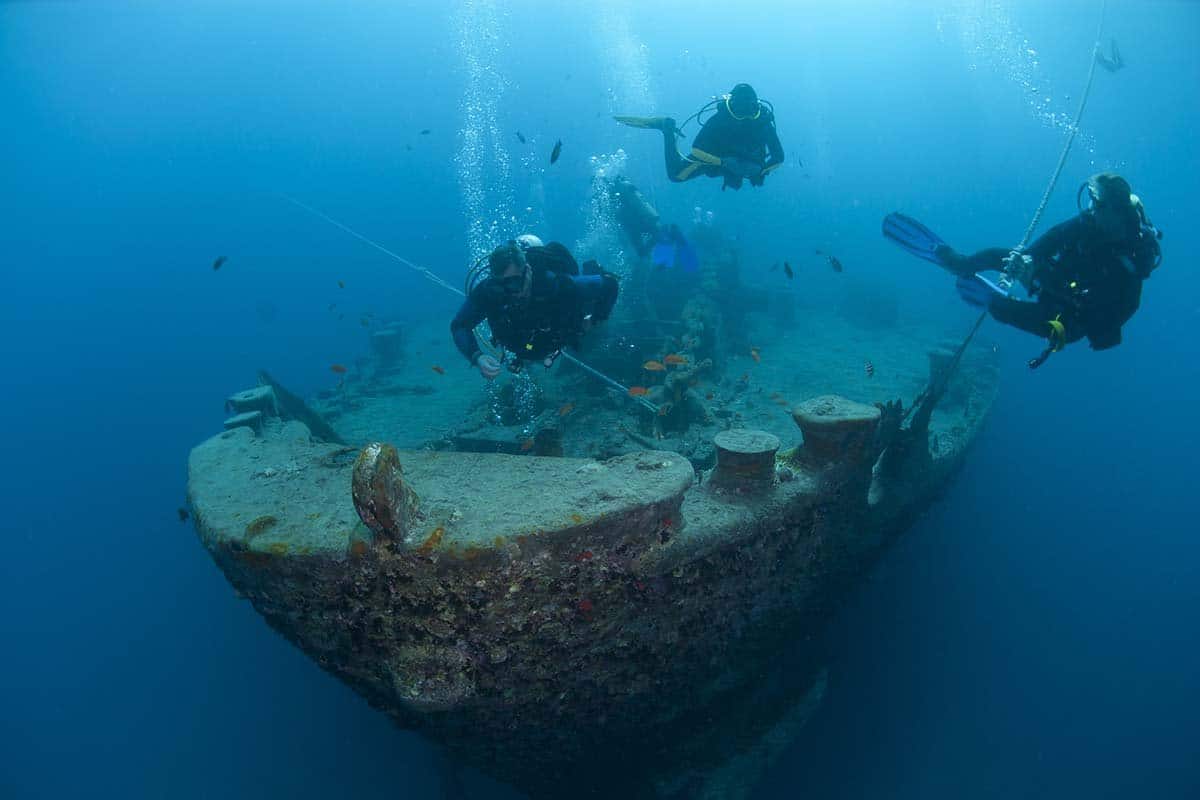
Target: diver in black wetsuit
738,142
535,301
1084,275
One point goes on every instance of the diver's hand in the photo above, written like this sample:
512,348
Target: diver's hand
1018,266
488,366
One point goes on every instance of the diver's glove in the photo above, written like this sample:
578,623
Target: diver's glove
978,291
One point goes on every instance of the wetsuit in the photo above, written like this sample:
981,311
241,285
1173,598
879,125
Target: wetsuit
746,148
1090,285
549,319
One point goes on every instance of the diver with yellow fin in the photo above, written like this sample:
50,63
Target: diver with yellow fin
737,143
1083,276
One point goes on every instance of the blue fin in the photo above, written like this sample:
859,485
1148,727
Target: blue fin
663,254
914,237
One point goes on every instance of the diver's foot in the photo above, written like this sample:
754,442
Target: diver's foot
949,258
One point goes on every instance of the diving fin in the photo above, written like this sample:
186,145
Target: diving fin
663,255
914,237
656,123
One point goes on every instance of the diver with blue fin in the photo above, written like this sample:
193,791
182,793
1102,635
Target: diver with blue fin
1083,277
737,143
637,216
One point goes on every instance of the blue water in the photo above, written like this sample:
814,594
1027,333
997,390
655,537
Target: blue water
1034,636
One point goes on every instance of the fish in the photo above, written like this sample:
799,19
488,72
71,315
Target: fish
674,358
833,262
341,284
774,267
365,322
638,391
220,262
520,137
425,131
787,270
438,369
586,555
332,306
754,354
709,396
567,408
337,369
869,368
745,377
585,607
653,366
183,514
556,152
526,445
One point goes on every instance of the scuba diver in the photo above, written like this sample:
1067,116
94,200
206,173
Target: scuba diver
534,299
737,143
1113,61
665,244
1084,276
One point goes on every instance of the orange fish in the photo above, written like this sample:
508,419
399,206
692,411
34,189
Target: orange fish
586,555
584,606
653,366
438,369
674,358
526,445
638,391
754,354
338,369
567,408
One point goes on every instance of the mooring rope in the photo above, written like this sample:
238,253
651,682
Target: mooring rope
1074,129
